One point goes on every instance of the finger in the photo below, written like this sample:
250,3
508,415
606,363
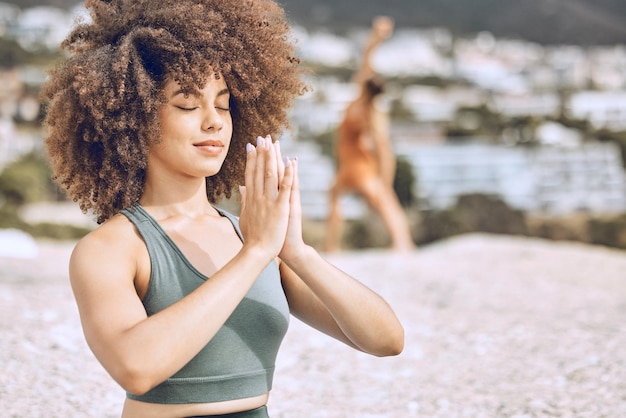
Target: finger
281,162
295,187
259,172
250,167
286,184
296,178
271,168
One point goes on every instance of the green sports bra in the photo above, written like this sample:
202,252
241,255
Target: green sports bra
239,360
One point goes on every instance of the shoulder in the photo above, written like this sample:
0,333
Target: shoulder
114,243
358,111
115,232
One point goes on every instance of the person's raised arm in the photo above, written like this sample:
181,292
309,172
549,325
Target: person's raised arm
382,28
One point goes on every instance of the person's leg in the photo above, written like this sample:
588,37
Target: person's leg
335,221
385,202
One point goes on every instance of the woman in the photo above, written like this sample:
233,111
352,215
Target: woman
154,117
365,161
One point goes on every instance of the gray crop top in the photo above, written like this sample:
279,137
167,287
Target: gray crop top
239,360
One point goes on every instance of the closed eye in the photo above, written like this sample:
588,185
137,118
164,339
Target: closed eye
187,109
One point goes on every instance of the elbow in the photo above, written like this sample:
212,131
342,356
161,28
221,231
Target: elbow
135,382
389,344
394,344
397,348
394,341
135,387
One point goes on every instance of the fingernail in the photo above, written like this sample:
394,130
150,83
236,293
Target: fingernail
286,161
259,141
249,147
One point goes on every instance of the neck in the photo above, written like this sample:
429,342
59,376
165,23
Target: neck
366,98
166,199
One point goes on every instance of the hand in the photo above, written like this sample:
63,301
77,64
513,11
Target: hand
382,26
294,244
265,203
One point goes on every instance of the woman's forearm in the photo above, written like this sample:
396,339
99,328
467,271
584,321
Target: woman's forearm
363,316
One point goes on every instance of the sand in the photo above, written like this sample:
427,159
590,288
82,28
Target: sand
496,326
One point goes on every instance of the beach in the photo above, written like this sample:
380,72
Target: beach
495,326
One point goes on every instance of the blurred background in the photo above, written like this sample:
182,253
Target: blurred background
506,116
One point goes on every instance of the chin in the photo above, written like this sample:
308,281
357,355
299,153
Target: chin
213,171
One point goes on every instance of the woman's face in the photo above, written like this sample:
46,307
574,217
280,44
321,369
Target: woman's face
196,129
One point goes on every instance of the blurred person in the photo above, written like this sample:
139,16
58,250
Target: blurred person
161,109
366,163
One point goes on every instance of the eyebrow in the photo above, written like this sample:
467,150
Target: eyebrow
197,93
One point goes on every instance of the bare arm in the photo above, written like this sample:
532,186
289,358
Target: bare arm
335,303
382,28
139,351
332,301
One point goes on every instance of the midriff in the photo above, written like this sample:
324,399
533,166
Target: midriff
138,409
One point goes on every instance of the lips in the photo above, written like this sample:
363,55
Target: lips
210,146
209,143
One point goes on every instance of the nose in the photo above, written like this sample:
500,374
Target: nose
212,120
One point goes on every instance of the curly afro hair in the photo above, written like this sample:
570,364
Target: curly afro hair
103,100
